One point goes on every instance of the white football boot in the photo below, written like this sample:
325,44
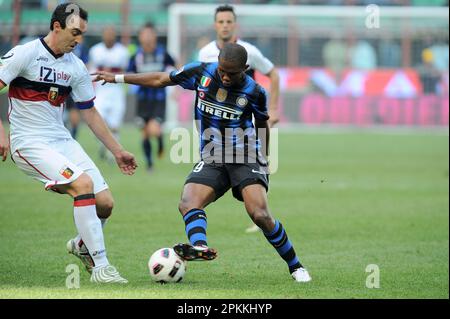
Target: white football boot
252,229
107,274
301,275
82,253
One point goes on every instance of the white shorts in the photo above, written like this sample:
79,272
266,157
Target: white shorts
111,108
57,163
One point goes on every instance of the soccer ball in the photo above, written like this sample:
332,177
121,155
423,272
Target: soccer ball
166,266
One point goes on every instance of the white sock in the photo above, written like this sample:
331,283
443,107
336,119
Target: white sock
90,228
77,238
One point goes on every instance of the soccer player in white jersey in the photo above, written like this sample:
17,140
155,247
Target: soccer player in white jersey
225,26
41,74
110,101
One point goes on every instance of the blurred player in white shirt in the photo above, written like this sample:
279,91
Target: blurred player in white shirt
41,74
225,26
109,56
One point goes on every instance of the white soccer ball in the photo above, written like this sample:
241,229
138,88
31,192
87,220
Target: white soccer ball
166,266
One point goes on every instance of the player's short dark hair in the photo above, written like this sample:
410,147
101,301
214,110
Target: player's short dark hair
147,25
225,8
63,11
234,52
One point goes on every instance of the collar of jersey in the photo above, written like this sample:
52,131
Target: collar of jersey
56,56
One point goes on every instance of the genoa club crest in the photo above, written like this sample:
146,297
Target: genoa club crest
53,94
66,172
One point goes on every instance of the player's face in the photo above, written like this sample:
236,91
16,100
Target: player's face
71,36
109,36
225,25
230,72
148,39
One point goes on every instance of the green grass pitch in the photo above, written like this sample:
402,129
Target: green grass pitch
347,200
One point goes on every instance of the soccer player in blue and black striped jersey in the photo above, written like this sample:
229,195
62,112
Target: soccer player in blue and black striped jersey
151,102
233,149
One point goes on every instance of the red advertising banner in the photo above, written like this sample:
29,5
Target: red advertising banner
398,83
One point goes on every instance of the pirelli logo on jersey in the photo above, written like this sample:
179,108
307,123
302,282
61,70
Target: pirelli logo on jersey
219,110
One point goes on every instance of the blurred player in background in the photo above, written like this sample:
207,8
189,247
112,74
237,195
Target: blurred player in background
110,56
4,143
226,98
151,102
225,26
41,74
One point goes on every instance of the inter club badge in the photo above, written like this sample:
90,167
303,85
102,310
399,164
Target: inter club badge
241,101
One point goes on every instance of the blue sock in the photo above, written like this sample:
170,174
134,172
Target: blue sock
280,241
160,144
147,151
196,224
73,132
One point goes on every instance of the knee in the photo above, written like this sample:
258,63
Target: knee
105,207
145,133
262,217
183,206
186,204
82,185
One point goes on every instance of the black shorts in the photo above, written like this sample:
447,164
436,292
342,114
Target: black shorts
222,177
149,110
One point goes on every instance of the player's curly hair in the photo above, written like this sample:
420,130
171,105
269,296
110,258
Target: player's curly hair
63,11
234,52
225,8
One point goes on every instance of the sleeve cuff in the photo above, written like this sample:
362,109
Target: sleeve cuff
85,105
171,75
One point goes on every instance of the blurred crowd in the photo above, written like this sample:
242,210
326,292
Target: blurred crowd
427,53
46,3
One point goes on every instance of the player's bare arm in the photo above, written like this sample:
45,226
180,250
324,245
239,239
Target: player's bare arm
153,79
124,159
274,95
263,133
